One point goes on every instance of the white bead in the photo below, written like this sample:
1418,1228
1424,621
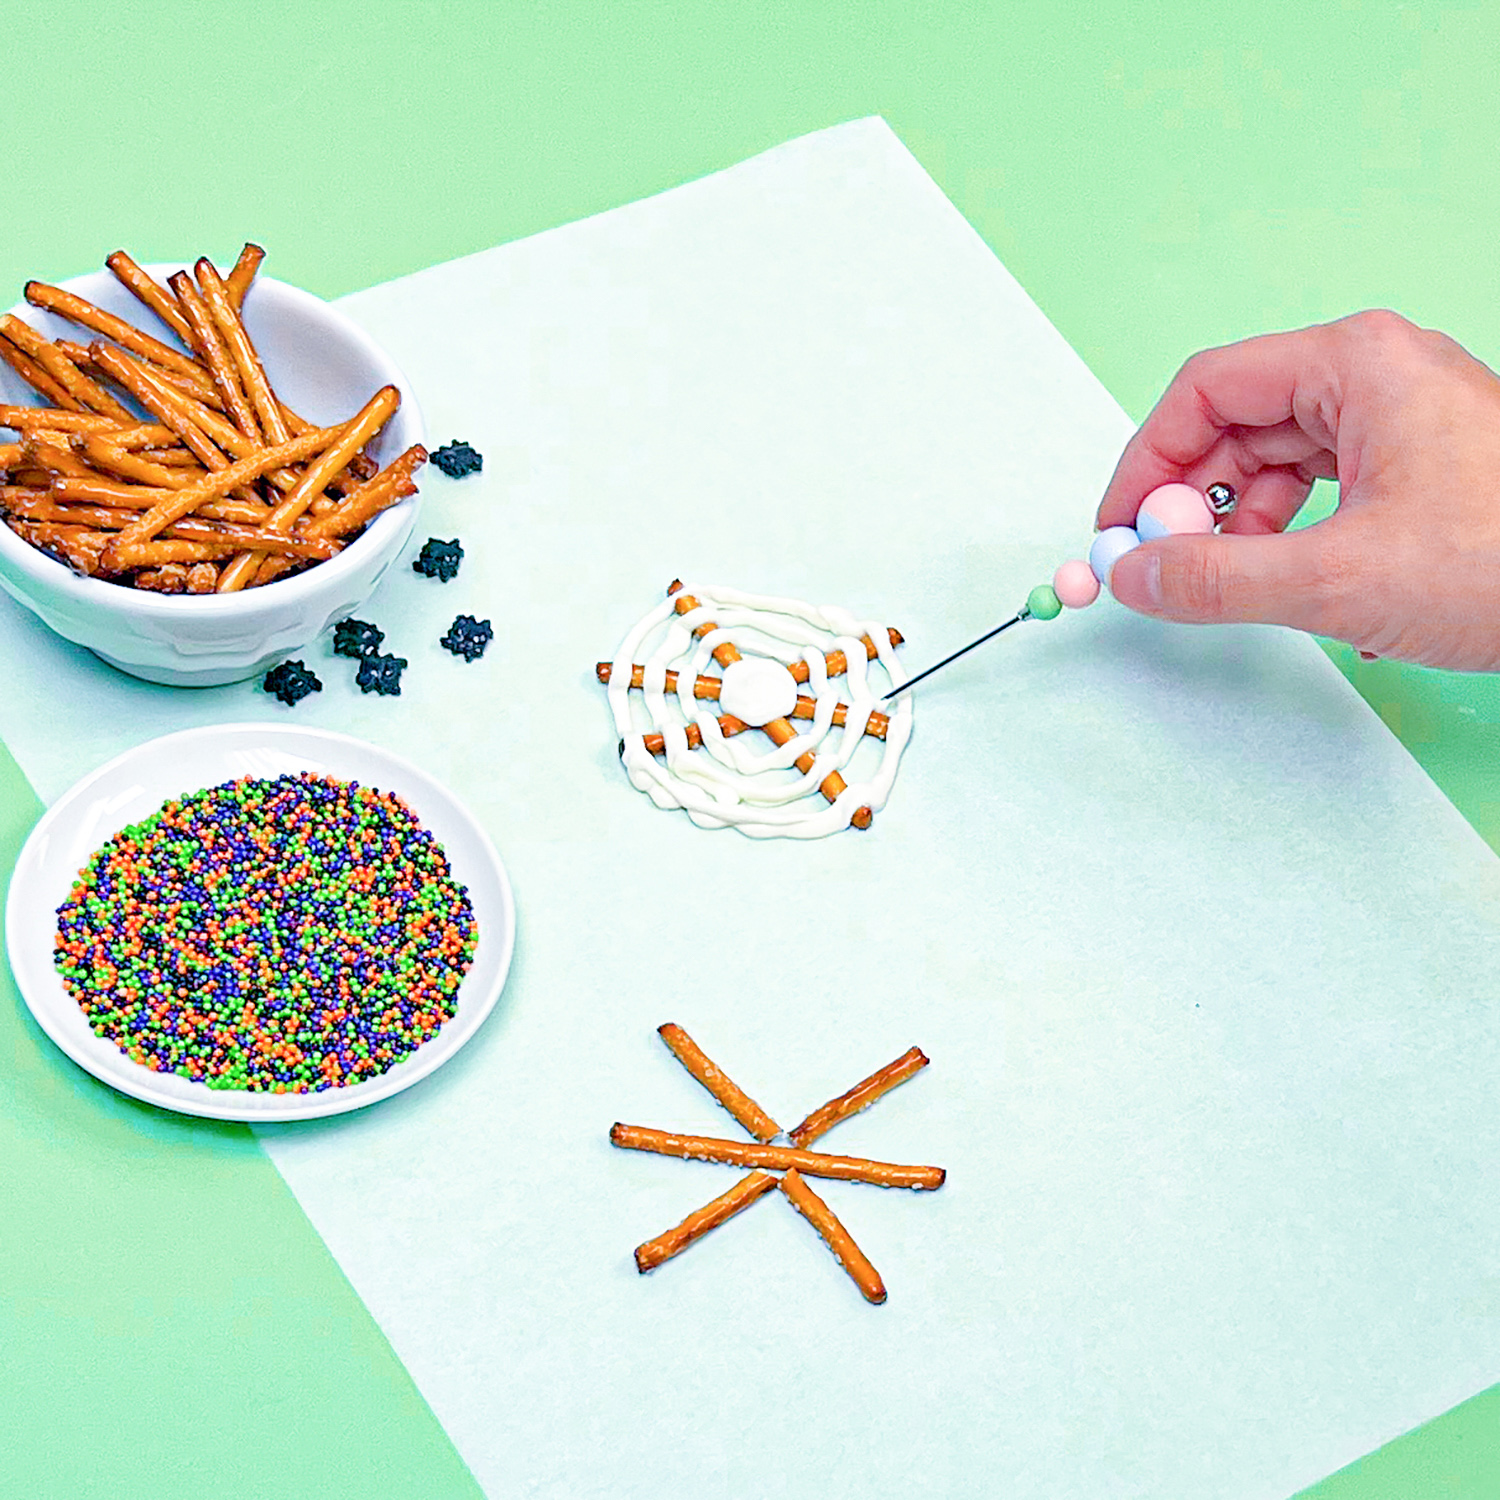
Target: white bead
1109,547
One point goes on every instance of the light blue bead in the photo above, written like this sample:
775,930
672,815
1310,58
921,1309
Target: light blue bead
1109,547
1148,528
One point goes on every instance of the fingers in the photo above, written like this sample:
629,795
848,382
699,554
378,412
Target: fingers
1287,382
1295,579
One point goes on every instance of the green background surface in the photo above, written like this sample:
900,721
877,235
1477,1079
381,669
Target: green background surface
1159,179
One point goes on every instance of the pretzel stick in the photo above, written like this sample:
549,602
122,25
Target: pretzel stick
81,548
89,490
19,417
170,578
780,730
189,529
860,1097
839,1240
168,405
151,293
149,554
36,377
103,454
718,1083
178,503
363,504
674,1241
373,416
237,283
211,349
10,456
86,315
49,451
86,392
251,372
18,495
205,431
747,1154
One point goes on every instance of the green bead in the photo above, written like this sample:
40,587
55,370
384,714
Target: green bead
1042,603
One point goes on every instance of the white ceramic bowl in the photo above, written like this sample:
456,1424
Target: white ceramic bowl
325,368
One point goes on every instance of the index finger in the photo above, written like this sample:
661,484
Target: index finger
1259,382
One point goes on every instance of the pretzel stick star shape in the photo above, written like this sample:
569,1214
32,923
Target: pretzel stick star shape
796,1161
766,650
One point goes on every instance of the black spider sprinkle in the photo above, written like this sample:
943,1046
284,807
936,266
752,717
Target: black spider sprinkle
467,637
291,682
380,674
356,638
457,459
438,559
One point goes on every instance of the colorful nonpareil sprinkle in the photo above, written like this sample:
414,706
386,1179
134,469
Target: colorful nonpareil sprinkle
276,936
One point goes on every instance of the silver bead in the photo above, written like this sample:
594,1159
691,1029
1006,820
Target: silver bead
1221,498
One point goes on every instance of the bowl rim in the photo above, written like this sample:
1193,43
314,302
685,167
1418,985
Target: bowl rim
248,604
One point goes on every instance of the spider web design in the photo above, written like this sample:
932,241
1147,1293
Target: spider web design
679,742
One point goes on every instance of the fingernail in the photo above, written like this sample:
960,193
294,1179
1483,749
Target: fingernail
1136,579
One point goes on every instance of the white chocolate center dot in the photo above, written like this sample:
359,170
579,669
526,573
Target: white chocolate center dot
757,690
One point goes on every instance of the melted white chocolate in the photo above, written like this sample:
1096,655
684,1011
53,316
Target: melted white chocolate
743,782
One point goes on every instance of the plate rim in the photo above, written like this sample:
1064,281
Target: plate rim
224,1104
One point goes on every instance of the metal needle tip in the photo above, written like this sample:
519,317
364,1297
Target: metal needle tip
989,635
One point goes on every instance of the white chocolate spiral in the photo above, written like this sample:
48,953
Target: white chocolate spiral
729,783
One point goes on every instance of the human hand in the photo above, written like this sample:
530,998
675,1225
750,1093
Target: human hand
1406,421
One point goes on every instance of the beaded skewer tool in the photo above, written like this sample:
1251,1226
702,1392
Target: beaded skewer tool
1170,510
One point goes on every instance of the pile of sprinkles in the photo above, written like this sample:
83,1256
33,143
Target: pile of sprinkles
275,936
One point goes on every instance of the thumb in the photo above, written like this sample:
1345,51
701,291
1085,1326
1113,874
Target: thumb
1276,579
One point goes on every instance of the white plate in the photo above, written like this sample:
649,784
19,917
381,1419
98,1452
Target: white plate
134,785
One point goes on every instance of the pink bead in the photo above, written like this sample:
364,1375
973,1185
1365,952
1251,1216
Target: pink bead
1075,585
1173,510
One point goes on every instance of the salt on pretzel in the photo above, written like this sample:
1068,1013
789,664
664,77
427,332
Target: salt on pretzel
718,1083
860,1097
838,1239
779,730
149,293
776,1158
652,1253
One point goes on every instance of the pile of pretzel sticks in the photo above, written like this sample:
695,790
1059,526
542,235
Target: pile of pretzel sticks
180,469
